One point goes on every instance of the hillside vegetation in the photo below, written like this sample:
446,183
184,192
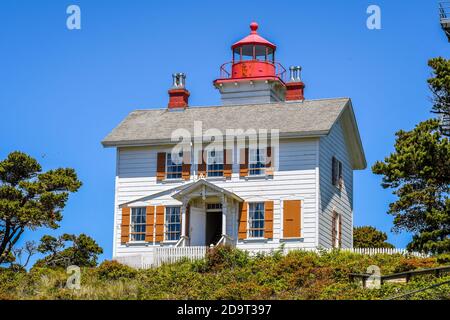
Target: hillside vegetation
229,274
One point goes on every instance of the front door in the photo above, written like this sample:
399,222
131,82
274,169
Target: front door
213,227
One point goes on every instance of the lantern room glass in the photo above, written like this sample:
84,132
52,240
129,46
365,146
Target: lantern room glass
253,52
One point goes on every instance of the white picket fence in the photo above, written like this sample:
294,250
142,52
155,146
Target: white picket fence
138,261
173,254
168,255
364,251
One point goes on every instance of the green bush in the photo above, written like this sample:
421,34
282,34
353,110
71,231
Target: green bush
228,273
113,270
225,257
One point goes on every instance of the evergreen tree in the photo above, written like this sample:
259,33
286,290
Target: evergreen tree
370,237
83,252
419,173
30,199
439,85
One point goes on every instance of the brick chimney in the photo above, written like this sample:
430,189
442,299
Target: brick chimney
178,95
295,87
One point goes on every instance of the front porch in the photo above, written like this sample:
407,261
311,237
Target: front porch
209,215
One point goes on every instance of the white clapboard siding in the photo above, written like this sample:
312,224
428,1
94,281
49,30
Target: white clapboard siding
331,198
294,179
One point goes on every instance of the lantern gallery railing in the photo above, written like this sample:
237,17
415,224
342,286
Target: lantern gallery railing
226,69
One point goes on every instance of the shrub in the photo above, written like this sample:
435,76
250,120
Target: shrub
413,263
225,257
113,270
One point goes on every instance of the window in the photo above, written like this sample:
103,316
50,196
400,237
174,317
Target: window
256,220
137,225
173,224
336,173
336,230
257,162
214,207
215,163
174,167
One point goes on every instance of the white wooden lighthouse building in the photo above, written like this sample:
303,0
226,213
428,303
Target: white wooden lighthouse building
282,174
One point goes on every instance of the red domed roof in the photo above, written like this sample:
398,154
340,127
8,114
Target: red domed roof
254,38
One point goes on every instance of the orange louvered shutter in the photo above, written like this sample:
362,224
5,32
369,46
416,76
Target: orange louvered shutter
243,171
149,223
186,167
201,166
268,219
161,166
125,226
159,223
228,163
291,218
243,221
269,162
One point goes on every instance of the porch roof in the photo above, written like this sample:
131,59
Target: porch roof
179,192
202,182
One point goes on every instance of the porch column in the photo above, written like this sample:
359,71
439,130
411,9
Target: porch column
183,220
224,215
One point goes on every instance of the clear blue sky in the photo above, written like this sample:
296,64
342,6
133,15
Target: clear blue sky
62,91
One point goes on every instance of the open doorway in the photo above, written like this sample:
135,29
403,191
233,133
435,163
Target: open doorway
213,227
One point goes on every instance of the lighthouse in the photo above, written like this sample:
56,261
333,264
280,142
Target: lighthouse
254,76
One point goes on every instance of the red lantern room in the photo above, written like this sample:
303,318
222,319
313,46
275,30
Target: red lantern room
253,75
253,57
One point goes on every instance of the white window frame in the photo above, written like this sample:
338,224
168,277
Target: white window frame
142,223
250,229
166,224
210,160
180,165
260,161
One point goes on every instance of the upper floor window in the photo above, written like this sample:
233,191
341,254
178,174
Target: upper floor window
257,162
137,224
173,224
256,220
215,163
174,166
336,173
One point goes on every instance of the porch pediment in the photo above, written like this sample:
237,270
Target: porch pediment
199,189
204,189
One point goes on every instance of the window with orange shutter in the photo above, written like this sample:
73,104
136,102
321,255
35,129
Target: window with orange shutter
138,224
256,220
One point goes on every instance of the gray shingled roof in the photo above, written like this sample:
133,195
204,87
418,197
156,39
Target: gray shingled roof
308,118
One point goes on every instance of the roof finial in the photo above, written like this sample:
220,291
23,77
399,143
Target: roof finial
254,27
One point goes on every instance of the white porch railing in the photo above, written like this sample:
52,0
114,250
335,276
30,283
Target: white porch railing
167,255
225,240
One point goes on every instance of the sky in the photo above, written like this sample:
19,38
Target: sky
62,91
